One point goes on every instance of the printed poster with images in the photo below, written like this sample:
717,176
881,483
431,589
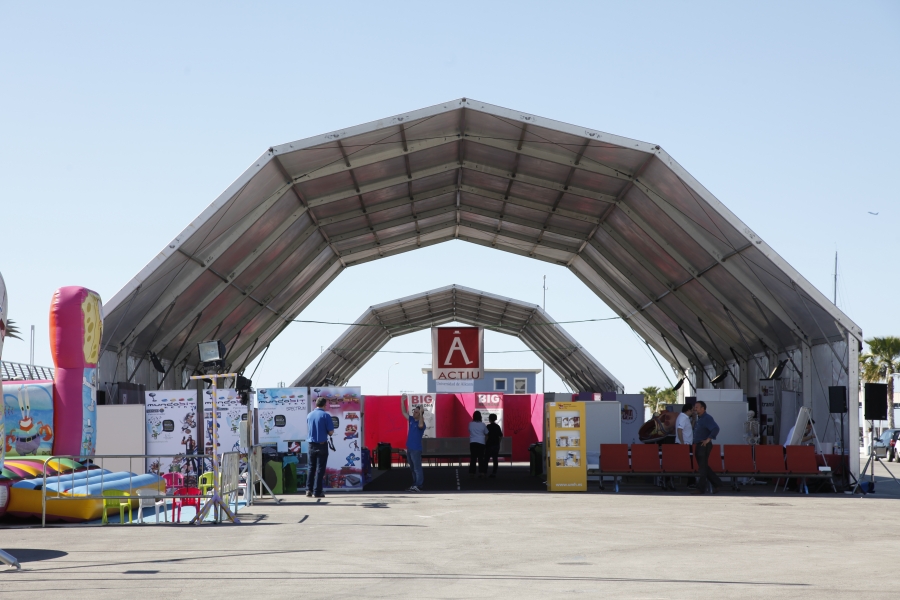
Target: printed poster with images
344,469
490,404
427,402
282,416
230,413
28,419
171,432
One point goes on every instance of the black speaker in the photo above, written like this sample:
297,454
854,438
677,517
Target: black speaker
837,399
876,402
101,397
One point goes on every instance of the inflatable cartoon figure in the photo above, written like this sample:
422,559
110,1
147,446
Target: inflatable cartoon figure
26,439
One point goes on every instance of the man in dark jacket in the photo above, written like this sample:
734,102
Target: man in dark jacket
705,431
492,442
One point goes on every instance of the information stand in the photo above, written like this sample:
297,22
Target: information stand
566,458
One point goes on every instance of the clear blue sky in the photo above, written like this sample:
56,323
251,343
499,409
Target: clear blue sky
120,123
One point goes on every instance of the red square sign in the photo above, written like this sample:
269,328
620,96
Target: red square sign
457,353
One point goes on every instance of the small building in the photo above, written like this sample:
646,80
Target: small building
506,381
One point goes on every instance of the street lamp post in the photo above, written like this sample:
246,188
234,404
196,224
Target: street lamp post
389,377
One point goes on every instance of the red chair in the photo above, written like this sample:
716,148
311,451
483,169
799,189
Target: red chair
715,460
614,459
177,503
770,460
739,459
676,458
173,480
645,458
801,460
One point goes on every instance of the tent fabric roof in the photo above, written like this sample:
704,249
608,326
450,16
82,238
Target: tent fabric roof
683,271
454,303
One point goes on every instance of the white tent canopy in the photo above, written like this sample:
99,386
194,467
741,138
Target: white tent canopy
455,303
642,234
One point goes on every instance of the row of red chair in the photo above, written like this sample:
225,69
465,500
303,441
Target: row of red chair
740,460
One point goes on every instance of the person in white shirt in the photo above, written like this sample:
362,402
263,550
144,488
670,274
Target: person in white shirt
477,433
684,429
684,432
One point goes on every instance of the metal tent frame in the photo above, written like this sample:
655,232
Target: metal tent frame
683,271
537,330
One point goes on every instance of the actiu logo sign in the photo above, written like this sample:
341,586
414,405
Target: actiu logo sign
457,353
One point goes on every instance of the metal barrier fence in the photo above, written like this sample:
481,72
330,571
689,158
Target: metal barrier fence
229,481
255,475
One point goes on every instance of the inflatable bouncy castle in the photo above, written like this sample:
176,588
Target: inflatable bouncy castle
58,418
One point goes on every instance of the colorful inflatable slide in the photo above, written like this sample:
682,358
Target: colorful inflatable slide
41,419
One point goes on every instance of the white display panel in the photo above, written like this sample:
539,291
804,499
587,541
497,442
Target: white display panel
282,415
603,426
730,417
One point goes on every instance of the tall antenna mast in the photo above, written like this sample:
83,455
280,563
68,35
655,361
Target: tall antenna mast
543,365
835,277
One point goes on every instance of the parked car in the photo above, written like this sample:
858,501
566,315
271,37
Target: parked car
888,440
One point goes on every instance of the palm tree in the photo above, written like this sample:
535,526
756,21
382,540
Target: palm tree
11,330
655,398
879,364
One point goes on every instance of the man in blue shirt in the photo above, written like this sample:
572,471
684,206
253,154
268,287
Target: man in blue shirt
416,424
320,427
705,431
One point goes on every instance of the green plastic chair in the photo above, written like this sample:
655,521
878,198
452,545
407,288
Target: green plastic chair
119,503
206,482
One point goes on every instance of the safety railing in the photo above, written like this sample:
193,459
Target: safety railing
229,481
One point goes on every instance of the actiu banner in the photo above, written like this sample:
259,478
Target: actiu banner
457,353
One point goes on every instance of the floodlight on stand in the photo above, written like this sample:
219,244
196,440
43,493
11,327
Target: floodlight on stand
157,364
776,372
719,378
243,386
212,354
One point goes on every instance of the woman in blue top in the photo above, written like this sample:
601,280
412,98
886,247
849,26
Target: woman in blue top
416,424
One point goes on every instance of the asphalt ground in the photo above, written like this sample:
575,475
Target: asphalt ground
480,543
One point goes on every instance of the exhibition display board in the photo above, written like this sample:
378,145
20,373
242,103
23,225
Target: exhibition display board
229,414
566,468
344,470
602,425
171,429
282,416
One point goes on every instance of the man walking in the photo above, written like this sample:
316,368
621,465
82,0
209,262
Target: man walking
416,424
705,431
320,427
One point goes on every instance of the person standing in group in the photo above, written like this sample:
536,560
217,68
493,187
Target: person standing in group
492,443
477,433
705,431
416,424
320,427
684,431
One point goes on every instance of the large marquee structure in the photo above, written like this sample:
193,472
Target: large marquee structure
455,303
669,258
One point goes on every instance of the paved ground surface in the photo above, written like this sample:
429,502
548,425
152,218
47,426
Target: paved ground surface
642,543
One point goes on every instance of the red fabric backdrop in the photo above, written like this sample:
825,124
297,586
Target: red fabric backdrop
522,419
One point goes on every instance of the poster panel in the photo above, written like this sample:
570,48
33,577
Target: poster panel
28,419
282,416
767,391
427,402
567,464
457,353
171,427
230,413
344,470
490,404
632,417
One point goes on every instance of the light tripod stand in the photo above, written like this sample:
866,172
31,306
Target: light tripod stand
215,500
872,458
